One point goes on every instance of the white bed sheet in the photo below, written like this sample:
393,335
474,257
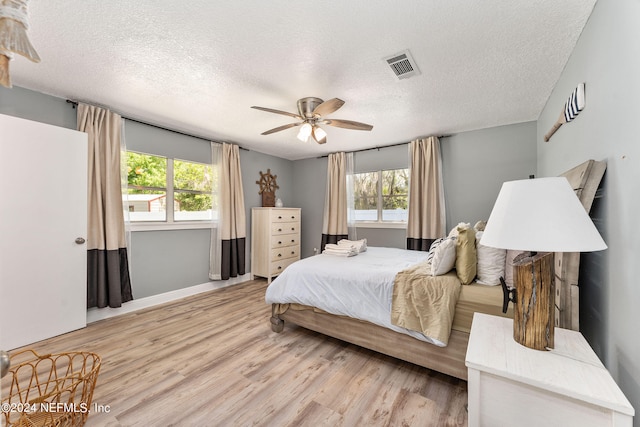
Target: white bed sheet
360,287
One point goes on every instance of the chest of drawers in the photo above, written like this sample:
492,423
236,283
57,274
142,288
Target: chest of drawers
275,240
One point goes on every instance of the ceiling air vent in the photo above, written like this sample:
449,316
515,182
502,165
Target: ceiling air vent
403,65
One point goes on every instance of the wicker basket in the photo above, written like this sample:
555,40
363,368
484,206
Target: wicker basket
49,390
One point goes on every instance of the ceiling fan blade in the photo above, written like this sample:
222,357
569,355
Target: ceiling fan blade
328,107
271,110
319,135
279,128
347,124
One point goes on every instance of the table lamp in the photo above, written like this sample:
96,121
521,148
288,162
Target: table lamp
541,216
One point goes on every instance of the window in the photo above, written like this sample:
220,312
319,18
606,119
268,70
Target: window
147,189
381,196
192,184
168,190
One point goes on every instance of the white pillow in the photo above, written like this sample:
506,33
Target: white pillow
444,257
491,263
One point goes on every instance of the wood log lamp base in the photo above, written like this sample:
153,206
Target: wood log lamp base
533,297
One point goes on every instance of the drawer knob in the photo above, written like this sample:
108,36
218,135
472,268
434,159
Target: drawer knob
293,240
293,217
279,229
293,229
293,252
279,267
279,255
279,242
279,216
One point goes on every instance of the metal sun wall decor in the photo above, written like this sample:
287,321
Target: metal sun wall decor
268,188
13,36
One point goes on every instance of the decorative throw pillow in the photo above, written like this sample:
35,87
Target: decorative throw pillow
491,263
432,248
444,256
466,258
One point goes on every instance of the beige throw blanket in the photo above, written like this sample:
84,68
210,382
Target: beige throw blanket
425,303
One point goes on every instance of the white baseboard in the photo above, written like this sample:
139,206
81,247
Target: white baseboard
95,314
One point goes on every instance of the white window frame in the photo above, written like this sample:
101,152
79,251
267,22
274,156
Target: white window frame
379,223
170,223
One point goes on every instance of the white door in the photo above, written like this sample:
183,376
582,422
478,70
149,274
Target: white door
43,210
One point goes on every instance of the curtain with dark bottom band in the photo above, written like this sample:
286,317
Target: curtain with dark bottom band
228,241
108,280
334,222
426,221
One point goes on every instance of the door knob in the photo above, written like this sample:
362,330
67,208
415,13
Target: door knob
80,241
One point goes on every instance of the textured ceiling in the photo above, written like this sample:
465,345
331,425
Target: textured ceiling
198,66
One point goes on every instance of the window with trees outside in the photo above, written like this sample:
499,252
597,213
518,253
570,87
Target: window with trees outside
381,196
170,190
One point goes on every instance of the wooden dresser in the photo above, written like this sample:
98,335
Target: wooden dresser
275,240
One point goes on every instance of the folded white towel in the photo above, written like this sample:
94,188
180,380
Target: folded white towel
340,252
360,245
341,247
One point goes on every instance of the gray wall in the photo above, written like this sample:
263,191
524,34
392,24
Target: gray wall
309,181
475,164
27,104
163,261
607,59
152,140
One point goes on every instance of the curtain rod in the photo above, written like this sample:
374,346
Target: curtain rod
75,103
380,147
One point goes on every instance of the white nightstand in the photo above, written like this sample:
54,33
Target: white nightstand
512,385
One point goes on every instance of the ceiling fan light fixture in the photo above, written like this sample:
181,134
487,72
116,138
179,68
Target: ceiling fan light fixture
305,132
319,135
312,111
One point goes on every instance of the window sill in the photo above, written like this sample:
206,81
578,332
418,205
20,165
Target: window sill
365,224
164,226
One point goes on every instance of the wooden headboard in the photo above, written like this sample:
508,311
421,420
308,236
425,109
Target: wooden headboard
584,179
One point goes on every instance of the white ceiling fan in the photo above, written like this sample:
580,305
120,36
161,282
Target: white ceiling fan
311,111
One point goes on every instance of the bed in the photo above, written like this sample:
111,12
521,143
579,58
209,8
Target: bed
351,299
377,268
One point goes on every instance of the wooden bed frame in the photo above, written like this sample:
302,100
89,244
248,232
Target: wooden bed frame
450,360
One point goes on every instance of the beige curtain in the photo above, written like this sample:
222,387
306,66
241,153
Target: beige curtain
426,194
228,238
108,282
335,223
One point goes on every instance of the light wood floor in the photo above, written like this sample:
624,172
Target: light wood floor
212,360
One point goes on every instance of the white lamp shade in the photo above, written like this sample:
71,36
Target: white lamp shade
305,132
541,215
319,134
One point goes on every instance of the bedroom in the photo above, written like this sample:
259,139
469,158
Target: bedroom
604,131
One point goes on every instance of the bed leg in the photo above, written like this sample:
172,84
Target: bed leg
277,324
